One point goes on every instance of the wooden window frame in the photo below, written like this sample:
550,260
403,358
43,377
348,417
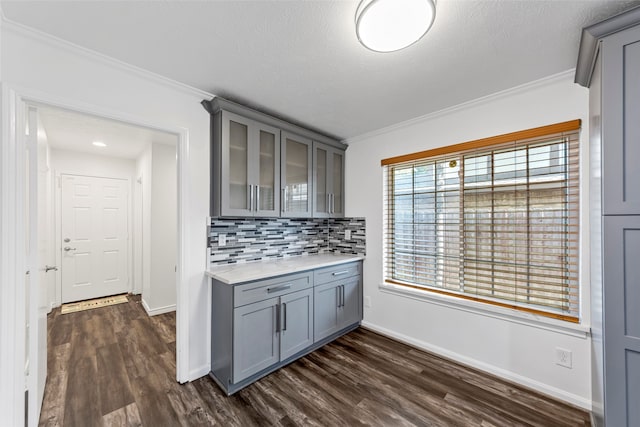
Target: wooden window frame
467,147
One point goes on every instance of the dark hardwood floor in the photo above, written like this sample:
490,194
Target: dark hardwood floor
115,366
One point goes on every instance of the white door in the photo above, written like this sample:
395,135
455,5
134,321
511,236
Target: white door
94,237
36,283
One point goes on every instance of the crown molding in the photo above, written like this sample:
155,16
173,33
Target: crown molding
9,25
591,37
568,74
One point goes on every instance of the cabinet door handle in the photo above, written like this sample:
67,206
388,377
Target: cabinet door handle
278,288
253,200
284,309
338,296
257,208
284,199
277,318
249,197
328,207
342,295
340,273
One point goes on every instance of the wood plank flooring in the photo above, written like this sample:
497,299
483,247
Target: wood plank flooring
115,366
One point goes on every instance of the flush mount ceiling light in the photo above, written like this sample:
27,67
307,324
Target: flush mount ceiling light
389,25
99,144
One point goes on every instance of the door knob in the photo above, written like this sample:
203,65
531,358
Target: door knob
67,249
48,268
67,240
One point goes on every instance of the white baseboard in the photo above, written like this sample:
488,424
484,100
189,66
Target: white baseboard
199,372
554,392
159,310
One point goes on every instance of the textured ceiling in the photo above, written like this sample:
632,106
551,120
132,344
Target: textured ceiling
68,130
300,60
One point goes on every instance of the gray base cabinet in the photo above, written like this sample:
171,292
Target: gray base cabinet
296,332
259,326
255,338
337,305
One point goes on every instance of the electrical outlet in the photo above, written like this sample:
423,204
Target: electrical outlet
563,357
367,302
347,234
222,240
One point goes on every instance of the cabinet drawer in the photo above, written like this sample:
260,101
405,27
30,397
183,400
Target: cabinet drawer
337,272
270,288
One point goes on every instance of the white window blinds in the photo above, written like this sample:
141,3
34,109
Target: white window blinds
490,220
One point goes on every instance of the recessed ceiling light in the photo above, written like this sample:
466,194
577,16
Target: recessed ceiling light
390,25
99,144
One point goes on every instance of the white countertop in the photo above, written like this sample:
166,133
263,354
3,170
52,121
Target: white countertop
257,270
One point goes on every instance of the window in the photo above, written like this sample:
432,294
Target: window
494,220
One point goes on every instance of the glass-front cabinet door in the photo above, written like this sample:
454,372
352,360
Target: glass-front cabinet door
296,176
328,181
249,168
267,172
337,183
321,193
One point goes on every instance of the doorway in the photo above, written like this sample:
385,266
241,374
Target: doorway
91,198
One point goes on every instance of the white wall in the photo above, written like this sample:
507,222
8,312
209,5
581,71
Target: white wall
43,68
512,347
75,163
157,166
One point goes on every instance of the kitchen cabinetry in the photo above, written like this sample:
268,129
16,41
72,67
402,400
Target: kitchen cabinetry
249,179
263,166
328,181
272,330
261,325
337,298
609,63
296,176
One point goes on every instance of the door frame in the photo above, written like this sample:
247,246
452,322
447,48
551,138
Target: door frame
12,229
57,176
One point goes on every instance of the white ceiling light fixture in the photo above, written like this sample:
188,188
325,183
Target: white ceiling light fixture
390,25
99,144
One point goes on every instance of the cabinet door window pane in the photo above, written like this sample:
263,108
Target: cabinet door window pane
297,174
337,182
321,180
238,157
267,171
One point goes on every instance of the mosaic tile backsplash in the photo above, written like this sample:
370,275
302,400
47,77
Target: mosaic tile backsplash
253,239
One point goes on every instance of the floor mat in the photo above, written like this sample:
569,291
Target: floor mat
93,303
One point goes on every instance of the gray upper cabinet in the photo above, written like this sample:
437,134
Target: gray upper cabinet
249,179
262,166
296,176
620,112
328,181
